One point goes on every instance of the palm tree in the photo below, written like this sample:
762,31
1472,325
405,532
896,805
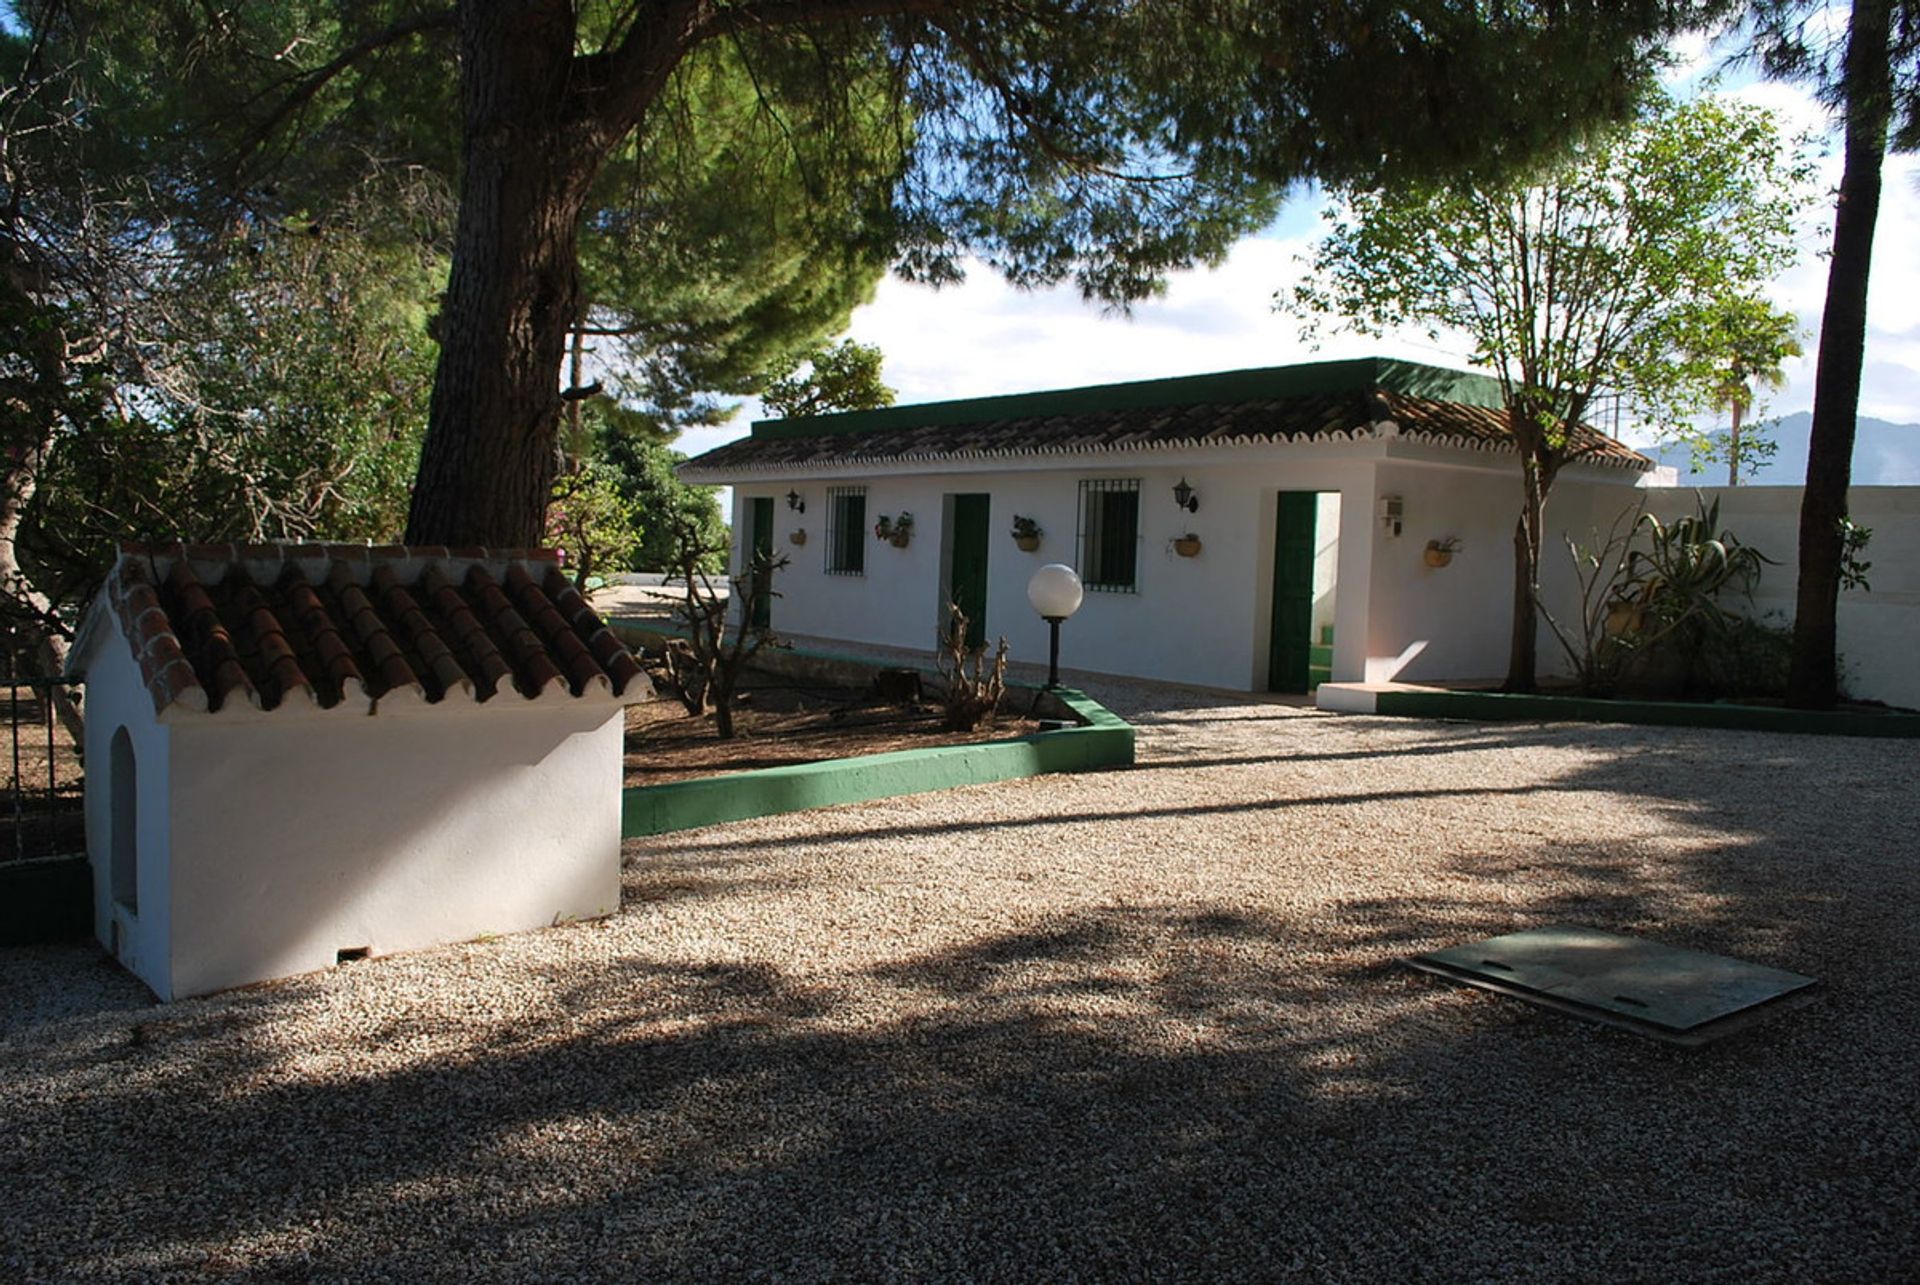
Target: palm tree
1760,345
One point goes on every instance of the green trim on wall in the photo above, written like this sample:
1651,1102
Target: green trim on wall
1103,740
1264,384
1499,706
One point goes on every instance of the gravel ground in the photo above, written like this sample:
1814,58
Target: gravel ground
1136,1025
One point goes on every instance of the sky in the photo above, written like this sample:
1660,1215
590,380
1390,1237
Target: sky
984,338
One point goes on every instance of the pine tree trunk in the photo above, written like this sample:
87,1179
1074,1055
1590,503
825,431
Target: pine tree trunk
1813,678
535,132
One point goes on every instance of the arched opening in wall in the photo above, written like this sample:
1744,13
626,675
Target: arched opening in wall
122,823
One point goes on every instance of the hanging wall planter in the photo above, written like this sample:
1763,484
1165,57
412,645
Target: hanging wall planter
798,537
1187,546
895,531
1440,552
1026,534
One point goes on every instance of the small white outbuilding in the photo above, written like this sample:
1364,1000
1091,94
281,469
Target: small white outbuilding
299,755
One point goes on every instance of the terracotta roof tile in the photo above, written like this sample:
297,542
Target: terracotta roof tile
219,626
1347,400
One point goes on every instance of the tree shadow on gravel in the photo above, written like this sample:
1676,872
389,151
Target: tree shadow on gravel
1136,1092
1162,1089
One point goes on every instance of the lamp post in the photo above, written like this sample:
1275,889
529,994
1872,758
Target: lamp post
1055,593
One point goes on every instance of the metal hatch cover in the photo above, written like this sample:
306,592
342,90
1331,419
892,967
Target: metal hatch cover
1668,992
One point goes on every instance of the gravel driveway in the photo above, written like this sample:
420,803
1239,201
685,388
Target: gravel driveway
1137,1025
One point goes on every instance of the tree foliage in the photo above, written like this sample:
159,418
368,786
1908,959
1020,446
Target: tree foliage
1099,142
1607,274
837,377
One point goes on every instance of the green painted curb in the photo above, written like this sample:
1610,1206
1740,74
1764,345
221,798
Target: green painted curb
1499,706
1104,740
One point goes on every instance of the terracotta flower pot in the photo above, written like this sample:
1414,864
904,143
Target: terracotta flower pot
1438,557
1187,546
798,537
1027,543
899,539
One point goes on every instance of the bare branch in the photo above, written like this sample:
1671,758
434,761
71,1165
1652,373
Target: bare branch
305,87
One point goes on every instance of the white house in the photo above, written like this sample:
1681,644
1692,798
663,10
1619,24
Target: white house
1314,493
305,754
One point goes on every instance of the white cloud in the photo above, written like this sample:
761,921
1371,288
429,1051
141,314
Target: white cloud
984,338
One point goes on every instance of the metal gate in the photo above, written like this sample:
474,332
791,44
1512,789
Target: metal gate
42,811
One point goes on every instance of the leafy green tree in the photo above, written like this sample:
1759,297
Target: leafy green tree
277,393
839,377
595,527
1871,78
666,507
1093,140
1601,275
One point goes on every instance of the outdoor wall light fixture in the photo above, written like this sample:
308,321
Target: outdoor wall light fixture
1055,593
1184,498
1393,513
795,503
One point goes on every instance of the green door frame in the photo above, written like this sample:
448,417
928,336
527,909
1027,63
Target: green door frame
1289,646
967,563
760,616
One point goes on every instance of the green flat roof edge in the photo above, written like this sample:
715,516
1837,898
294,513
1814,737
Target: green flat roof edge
1501,706
1306,379
1103,741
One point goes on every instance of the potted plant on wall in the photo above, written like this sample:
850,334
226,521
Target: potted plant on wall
798,535
895,531
1187,546
1440,552
1026,533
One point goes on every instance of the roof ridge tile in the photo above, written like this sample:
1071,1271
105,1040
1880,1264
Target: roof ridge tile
427,642
468,631
535,673
208,635
576,660
395,674
606,646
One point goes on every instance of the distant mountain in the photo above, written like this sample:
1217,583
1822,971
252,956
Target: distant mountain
1883,455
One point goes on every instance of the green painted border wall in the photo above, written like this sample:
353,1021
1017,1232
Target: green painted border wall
1102,740
1499,706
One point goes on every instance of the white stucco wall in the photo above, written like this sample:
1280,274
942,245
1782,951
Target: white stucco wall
270,842
1203,620
117,698
297,836
1878,627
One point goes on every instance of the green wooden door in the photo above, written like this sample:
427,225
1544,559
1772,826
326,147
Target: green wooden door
1289,650
967,573
761,615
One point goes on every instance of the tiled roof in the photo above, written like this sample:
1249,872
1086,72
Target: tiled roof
1328,401
331,625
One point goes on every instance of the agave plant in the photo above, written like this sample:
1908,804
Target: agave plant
1669,598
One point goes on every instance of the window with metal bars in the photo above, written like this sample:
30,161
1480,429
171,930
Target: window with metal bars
1109,537
846,530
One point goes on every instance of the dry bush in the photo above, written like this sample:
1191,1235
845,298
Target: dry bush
972,686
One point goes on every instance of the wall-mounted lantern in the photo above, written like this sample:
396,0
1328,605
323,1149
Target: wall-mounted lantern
794,502
1184,498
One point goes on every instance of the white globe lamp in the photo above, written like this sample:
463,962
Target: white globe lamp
1055,593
